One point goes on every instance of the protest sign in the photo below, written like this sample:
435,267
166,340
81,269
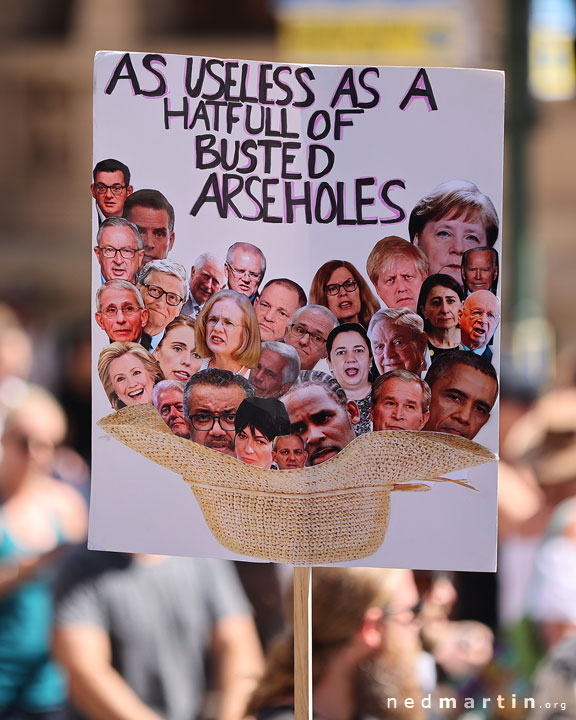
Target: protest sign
308,164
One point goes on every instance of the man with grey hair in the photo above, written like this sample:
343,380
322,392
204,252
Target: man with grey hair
277,369
398,340
207,277
119,249
120,311
321,414
308,333
245,268
164,288
479,317
400,401
168,399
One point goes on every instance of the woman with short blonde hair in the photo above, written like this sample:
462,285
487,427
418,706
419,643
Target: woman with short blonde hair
227,333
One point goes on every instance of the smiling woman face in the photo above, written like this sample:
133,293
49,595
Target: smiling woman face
253,447
225,328
130,380
345,305
176,354
350,360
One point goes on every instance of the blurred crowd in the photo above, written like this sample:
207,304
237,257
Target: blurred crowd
108,635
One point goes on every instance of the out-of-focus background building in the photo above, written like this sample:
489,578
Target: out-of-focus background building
46,55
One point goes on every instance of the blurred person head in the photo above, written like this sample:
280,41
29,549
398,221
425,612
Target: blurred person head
168,399
400,401
15,347
153,215
128,374
350,357
176,352
33,427
207,277
398,340
211,400
275,306
308,333
289,452
454,217
227,330
439,303
119,249
321,414
277,369
111,186
258,421
397,269
479,318
245,268
339,286
364,645
164,288
464,389
480,269
120,311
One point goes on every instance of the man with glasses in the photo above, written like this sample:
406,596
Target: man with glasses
120,311
164,288
110,188
119,250
207,277
153,215
245,268
211,399
308,333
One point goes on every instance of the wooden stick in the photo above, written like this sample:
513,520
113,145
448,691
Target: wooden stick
303,643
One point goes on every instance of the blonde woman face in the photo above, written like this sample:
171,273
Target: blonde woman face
176,354
225,328
131,381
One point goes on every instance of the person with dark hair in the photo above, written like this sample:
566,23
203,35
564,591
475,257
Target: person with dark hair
258,421
439,305
275,306
480,269
341,288
400,401
176,352
452,218
321,414
349,359
211,400
153,215
464,389
119,250
397,269
110,188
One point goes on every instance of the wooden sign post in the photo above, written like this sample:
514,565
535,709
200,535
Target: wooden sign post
303,643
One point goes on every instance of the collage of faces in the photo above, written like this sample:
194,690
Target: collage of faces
281,376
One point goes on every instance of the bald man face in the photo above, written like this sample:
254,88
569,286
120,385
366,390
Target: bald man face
479,318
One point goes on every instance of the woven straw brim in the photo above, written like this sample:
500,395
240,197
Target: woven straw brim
337,511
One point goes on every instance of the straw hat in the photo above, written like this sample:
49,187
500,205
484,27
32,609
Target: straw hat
333,512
